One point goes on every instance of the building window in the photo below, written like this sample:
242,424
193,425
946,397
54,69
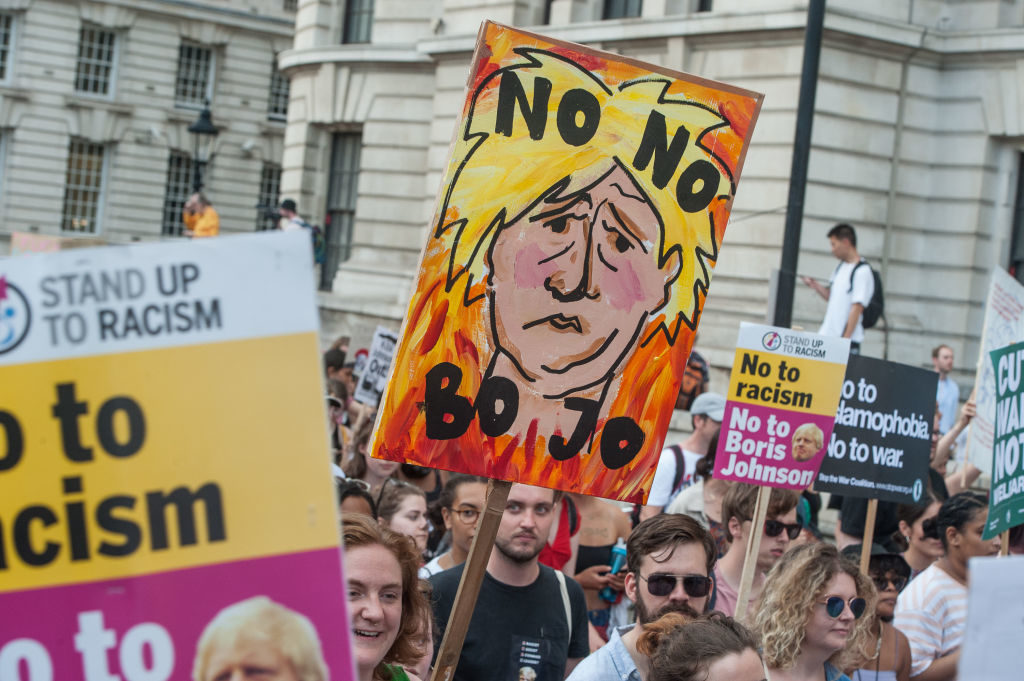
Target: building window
341,198
278,107
357,22
83,187
270,195
4,134
291,5
179,185
95,60
704,5
621,9
6,37
195,75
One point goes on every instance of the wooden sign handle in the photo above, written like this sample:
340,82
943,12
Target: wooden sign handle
1004,548
869,536
472,577
753,546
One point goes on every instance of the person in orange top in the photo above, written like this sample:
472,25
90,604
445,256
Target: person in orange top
200,217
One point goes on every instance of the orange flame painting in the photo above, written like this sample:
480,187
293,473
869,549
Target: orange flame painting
578,223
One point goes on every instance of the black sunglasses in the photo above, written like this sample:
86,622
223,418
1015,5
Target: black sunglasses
661,584
882,583
835,605
773,528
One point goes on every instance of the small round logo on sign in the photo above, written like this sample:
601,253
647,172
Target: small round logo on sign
918,489
15,316
771,340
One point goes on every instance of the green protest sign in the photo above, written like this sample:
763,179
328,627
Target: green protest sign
1006,502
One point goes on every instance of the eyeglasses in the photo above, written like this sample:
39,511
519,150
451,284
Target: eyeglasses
835,605
661,584
773,528
466,515
882,583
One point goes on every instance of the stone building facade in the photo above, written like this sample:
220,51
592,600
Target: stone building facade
917,140
96,97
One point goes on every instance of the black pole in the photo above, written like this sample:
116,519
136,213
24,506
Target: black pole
798,172
197,175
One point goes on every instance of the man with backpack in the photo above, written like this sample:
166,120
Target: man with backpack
677,462
290,219
854,300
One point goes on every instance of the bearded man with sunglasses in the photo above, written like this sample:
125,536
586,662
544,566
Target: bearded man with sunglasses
781,526
669,559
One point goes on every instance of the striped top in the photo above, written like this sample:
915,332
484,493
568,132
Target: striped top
932,612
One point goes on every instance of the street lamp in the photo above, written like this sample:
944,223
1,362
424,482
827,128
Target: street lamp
203,131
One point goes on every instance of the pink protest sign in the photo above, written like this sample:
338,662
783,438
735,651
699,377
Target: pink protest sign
781,406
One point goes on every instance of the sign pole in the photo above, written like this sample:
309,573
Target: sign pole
1004,547
753,546
869,535
472,577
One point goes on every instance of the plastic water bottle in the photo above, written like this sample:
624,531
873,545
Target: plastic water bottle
618,561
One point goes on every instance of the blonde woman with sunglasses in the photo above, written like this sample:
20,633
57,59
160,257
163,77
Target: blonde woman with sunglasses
815,615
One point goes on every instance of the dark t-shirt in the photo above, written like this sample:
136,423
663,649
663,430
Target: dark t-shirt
515,627
853,515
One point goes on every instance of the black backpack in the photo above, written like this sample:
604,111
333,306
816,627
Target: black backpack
875,309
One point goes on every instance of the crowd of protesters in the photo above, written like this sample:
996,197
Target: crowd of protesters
550,606
560,601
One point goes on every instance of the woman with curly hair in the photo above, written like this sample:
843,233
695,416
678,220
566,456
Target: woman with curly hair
810,615
712,648
932,610
386,607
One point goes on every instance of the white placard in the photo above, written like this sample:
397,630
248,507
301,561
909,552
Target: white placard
995,620
98,301
376,369
1004,325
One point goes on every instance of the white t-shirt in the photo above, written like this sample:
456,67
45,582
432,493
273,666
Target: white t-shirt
661,489
841,299
292,224
431,568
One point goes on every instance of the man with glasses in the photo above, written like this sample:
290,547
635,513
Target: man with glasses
527,616
669,559
887,651
781,526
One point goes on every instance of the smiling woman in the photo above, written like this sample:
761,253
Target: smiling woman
386,606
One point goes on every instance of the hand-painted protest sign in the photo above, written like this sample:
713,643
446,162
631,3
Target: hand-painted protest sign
374,376
163,460
1004,325
1006,502
882,439
578,223
781,406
